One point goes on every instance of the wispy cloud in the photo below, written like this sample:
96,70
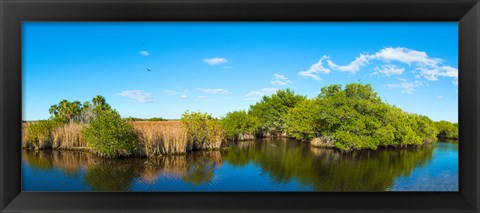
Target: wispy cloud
256,95
215,61
439,97
316,69
216,91
144,53
389,70
425,66
405,86
139,96
353,66
280,80
182,94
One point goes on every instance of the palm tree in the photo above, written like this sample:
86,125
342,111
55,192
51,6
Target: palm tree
53,110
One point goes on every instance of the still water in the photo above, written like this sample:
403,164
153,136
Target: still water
262,165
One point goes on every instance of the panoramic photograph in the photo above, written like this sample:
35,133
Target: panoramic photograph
239,106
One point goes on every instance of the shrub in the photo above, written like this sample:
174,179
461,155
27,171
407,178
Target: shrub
446,129
271,111
238,123
38,135
202,129
356,118
302,119
109,135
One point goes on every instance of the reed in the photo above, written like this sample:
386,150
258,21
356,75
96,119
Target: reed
68,136
161,138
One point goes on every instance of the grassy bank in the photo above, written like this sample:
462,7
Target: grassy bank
155,138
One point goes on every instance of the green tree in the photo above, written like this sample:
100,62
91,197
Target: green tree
446,129
271,111
302,120
236,123
110,136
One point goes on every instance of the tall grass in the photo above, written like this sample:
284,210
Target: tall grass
68,136
161,138
156,138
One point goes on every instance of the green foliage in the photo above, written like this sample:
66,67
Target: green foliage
109,135
301,121
236,123
38,135
446,129
202,128
356,118
271,111
69,112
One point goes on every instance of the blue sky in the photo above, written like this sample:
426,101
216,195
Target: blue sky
221,67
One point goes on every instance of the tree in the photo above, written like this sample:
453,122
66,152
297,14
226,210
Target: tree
236,123
446,129
357,118
100,104
110,136
301,121
65,111
271,111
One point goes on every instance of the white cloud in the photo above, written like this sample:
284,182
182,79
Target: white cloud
256,95
214,91
439,97
182,94
280,80
405,86
427,67
144,53
353,66
215,61
316,69
389,70
170,92
405,55
433,72
139,96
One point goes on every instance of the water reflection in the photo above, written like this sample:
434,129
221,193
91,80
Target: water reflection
280,164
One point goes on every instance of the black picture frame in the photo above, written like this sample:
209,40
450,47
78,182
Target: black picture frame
13,12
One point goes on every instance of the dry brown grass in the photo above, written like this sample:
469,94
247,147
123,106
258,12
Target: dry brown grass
161,138
68,136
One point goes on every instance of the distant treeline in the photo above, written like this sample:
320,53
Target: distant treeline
150,119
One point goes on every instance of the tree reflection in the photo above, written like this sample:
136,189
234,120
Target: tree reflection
281,160
330,170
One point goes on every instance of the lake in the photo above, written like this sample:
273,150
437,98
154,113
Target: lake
261,165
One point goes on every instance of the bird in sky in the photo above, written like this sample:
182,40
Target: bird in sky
149,70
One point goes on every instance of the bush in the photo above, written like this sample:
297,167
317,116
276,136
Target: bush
238,123
302,119
202,129
446,129
271,111
110,136
356,118
38,135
